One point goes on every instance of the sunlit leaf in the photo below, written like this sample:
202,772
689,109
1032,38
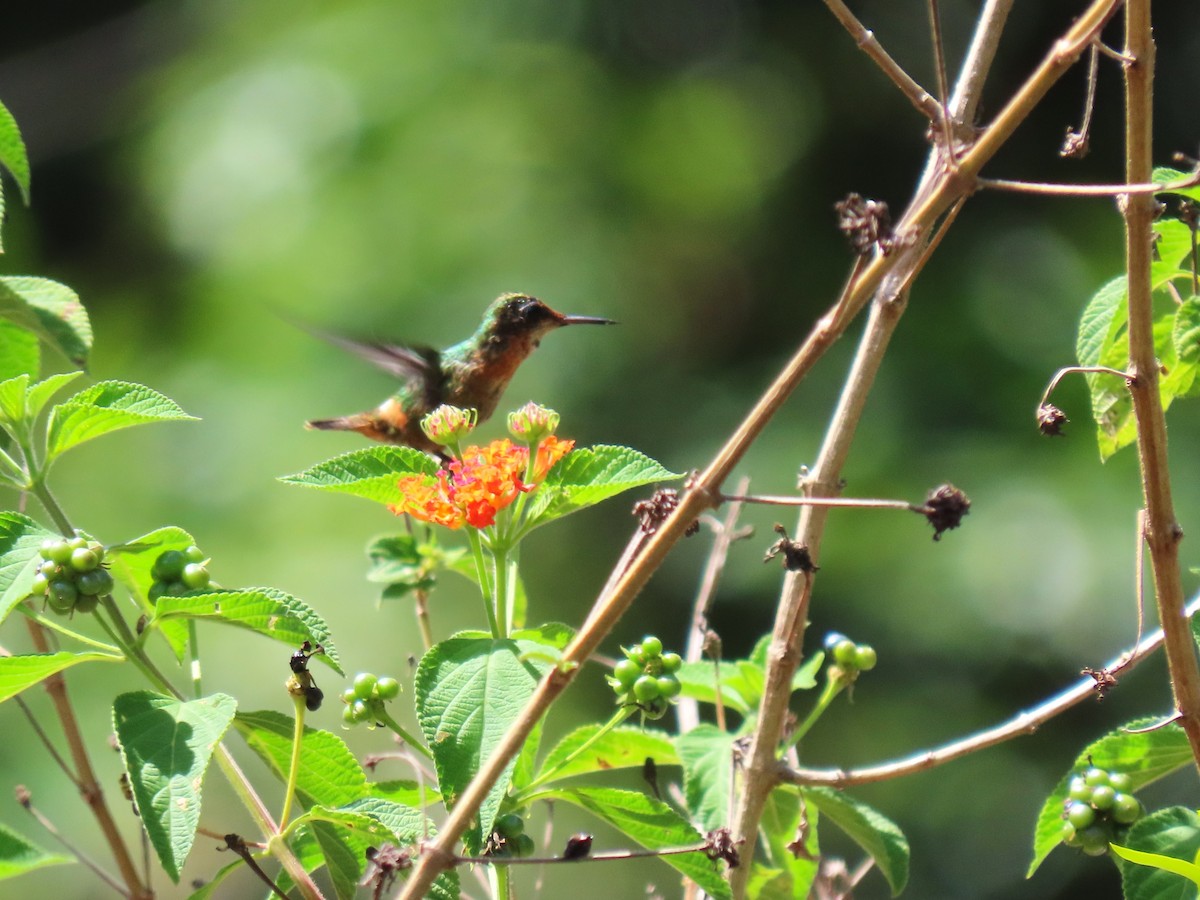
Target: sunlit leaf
50,310
24,671
106,407
1160,849
18,856
371,473
871,830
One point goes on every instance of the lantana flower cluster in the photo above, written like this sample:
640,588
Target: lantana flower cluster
472,488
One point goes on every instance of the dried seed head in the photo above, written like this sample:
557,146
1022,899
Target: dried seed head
944,508
653,512
865,223
721,846
1051,419
796,557
1074,145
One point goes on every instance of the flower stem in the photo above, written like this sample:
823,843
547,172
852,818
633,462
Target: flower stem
403,734
485,581
503,587
289,792
833,687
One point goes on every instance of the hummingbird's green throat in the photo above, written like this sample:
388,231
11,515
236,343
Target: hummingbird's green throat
471,374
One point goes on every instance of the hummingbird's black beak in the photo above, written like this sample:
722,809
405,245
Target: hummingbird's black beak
586,320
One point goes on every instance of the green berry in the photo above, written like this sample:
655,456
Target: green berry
1126,809
654,709
668,686
1122,782
176,589
97,548
77,542
39,585
635,655
348,716
348,696
46,547
626,672
833,639
844,653
1078,789
1068,836
1080,815
84,560
1103,797
86,604
1095,777
194,554
651,647
509,825
865,657
1094,840
523,845
157,589
387,688
51,569
645,689
60,552
360,709
364,685
169,565
671,663
62,595
95,583
195,576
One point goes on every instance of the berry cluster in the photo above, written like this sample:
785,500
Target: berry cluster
178,571
646,677
365,698
72,576
509,837
1100,805
849,658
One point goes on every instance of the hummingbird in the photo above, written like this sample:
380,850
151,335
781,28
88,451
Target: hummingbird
471,374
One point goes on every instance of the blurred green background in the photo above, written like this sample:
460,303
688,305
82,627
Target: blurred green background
386,169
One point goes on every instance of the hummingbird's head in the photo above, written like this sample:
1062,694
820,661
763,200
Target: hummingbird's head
519,315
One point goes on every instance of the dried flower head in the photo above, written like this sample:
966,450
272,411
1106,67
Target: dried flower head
866,223
1051,419
944,508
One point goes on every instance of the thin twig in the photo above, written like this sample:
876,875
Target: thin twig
24,798
851,502
1080,370
1023,723
939,64
45,739
611,856
867,42
1088,190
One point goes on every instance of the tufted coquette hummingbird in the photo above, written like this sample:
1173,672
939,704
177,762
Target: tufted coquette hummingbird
471,374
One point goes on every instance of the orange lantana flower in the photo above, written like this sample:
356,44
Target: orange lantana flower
471,490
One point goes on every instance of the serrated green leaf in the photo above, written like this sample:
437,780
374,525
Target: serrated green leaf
1161,847
20,351
1145,755
1186,339
706,753
652,824
329,773
1173,240
103,408
268,611
12,152
871,830
18,856
131,564
41,393
468,692
618,748
405,793
24,671
344,854
408,826
371,473
789,829
50,310
586,476
1166,175
167,744
20,539
13,393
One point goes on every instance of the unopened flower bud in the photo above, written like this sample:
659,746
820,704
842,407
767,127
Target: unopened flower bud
532,422
449,424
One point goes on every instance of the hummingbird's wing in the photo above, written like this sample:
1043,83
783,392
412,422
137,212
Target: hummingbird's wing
415,363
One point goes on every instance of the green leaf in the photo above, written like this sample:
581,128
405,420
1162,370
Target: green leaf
652,824
618,748
586,476
469,691
789,829
103,408
371,473
41,393
131,564
1165,175
870,829
50,310
18,856
329,773
1145,755
1159,848
408,826
707,756
1186,338
20,351
20,539
166,744
20,672
268,611
405,793
12,152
